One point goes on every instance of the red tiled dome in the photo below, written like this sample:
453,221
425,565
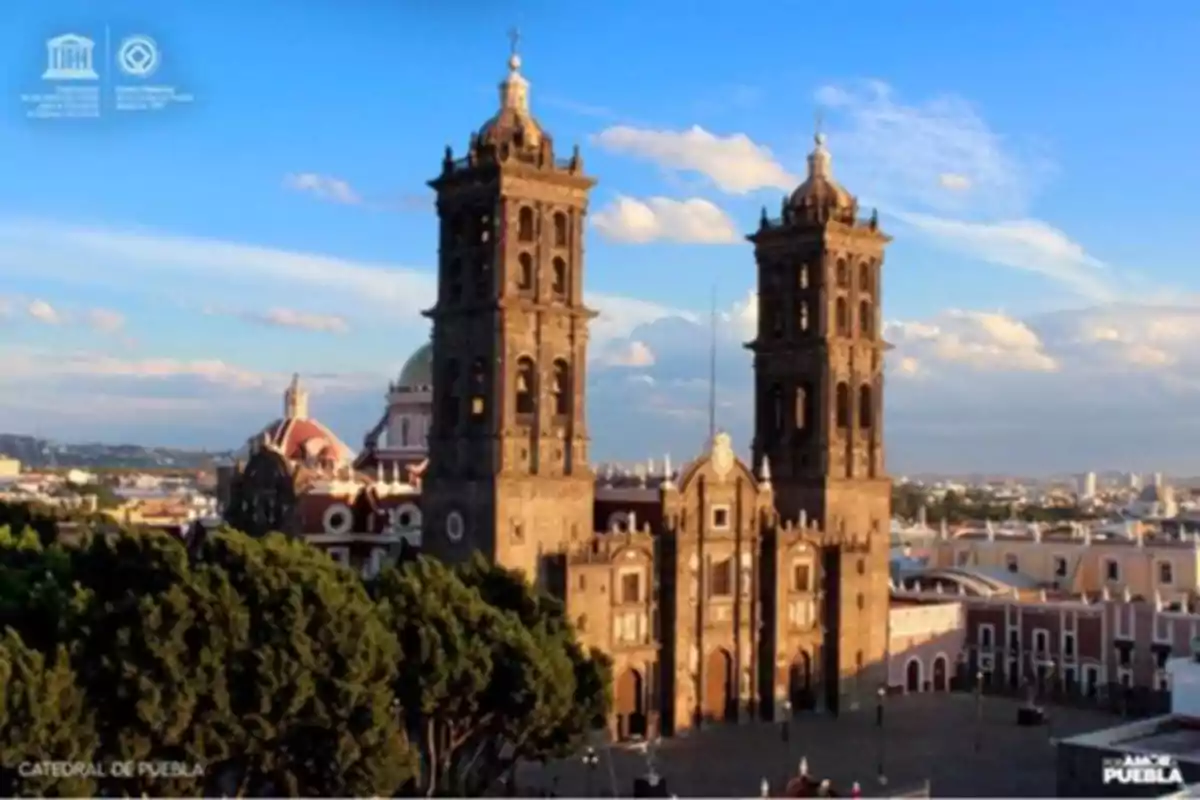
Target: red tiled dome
306,441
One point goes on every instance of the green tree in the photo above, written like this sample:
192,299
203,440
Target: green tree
261,661
491,672
43,717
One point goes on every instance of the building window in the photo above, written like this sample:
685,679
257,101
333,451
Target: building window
1011,563
449,401
478,388
801,577
843,274
562,388
1069,645
560,230
525,272
802,277
526,386
864,277
454,286
864,320
801,408
404,432
1041,642
581,623
1060,567
866,409
1014,640
721,578
720,518
558,284
986,637
1125,656
525,227
842,403
775,411
631,588
842,317
803,317
861,601
962,558
483,277
1112,570
1166,573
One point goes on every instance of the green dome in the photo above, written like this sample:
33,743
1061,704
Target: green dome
418,370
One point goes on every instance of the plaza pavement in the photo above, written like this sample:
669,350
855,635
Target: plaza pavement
925,736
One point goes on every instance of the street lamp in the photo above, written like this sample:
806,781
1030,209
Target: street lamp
880,696
979,711
590,762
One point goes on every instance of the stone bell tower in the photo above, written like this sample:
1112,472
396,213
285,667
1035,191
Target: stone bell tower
509,473
818,367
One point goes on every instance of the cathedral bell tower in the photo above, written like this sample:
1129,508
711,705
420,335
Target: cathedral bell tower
818,372
508,448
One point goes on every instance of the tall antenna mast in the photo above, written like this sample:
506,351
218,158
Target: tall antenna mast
712,369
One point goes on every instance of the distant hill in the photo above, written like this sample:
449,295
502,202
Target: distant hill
41,453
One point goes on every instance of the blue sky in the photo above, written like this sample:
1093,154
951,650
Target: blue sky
163,272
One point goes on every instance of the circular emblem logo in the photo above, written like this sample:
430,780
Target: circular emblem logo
138,56
454,526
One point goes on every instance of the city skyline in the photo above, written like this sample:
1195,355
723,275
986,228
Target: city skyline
206,253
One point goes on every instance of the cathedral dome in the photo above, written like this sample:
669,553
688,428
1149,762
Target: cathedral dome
417,372
820,195
513,126
298,437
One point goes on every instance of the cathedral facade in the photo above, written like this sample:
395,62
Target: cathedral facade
724,590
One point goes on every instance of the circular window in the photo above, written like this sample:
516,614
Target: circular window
454,526
338,519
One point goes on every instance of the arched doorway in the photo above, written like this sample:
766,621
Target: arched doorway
718,686
629,703
912,675
800,682
939,673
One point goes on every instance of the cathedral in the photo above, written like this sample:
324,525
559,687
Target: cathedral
723,591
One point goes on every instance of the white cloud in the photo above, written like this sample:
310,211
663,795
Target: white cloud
1107,386
43,312
693,221
318,323
954,182
105,320
734,163
208,271
326,187
1028,245
939,168
629,354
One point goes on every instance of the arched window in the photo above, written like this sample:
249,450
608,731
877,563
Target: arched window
776,409
801,408
843,274
449,399
525,224
842,316
866,409
803,317
562,388
454,286
864,277
865,326
559,282
404,432
560,230
483,277
525,272
526,386
802,279
478,388
843,405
